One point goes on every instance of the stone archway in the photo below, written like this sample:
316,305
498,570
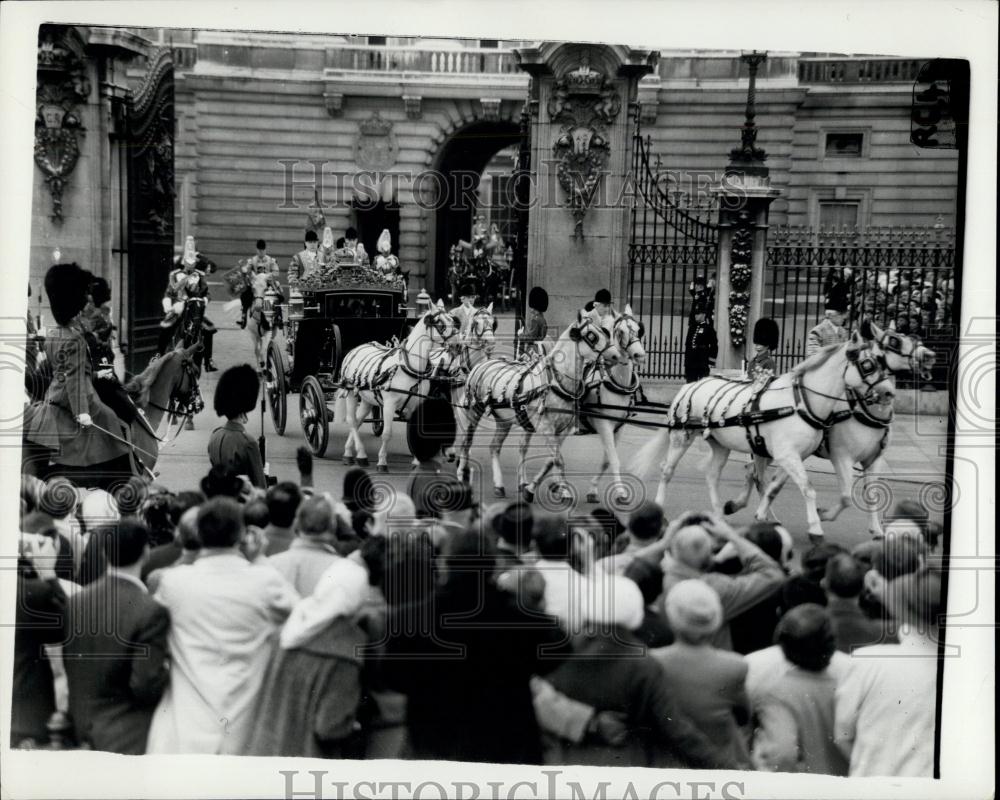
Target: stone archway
460,162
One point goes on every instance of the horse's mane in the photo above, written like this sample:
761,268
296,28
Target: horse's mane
816,360
138,386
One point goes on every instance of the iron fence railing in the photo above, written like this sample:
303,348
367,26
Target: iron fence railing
901,278
672,241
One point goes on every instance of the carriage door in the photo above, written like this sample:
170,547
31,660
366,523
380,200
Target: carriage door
149,156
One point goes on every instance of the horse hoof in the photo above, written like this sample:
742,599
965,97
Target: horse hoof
729,507
592,497
528,495
499,491
816,539
362,462
347,461
382,468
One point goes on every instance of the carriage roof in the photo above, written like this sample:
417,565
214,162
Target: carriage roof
354,279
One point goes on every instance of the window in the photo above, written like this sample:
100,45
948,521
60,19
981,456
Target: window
838,214
489,43
376,40
844,145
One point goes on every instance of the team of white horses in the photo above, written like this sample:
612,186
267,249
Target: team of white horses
837,404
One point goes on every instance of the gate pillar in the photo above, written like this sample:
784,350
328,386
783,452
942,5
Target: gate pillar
581,154
745,198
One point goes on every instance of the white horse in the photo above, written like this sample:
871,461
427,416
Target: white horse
391,377
785,423
258,327
455,362
610,396
861,433
542,396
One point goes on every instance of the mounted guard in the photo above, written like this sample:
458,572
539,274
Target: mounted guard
184,305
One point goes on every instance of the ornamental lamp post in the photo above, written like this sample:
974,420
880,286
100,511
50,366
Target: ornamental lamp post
745,196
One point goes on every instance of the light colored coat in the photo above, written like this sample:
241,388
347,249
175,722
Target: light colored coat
223,612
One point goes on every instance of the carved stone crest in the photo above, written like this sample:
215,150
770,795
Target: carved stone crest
62,85
376,149
585,103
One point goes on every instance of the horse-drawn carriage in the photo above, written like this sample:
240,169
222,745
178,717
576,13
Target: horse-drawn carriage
329,313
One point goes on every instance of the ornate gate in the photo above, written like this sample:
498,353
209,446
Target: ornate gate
149,133
672,241
522,200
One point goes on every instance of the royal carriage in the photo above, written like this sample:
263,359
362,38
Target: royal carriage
329,312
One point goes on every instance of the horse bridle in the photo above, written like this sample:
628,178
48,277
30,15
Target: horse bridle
634,338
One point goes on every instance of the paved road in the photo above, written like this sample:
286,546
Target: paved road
914,457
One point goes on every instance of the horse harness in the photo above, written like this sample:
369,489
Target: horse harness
376,375
752,416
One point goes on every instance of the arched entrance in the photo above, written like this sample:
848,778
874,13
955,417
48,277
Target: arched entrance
460,163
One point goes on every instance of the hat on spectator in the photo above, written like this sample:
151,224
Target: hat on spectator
514,524
693,607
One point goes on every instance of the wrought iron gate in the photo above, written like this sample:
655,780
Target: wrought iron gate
522,200
149,133
672,241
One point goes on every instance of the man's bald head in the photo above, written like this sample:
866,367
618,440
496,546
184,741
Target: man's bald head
187,529
692,545
314,517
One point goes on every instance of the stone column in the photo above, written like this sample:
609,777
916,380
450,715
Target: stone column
581,152
745,197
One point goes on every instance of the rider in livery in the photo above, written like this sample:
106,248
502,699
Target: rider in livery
765,342
186,281
306,261
261,263
67,421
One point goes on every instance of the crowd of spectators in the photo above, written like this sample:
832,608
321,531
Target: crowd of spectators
295,622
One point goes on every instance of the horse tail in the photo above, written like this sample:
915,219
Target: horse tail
643,461
340,407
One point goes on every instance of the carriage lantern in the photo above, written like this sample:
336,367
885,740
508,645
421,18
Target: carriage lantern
296,305
423,302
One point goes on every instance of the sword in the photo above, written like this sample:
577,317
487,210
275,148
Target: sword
128,444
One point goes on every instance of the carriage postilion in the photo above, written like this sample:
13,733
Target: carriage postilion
329,312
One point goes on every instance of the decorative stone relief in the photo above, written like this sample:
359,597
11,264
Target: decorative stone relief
334,102
412,103
585,103
62,86
376,149
491,108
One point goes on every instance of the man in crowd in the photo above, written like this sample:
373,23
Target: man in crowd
223,611
283,501
115,648
691,555
312,550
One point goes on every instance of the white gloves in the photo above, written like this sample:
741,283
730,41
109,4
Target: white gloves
85,420
166,305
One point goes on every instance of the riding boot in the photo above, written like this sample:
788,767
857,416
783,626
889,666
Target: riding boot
206,340
163,340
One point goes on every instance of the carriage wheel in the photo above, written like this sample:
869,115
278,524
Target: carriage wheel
276,388
314,415
378,424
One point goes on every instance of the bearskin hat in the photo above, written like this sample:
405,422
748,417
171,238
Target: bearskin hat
100,291
261,244
67,287
765,332
538,299
430,428
236,392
